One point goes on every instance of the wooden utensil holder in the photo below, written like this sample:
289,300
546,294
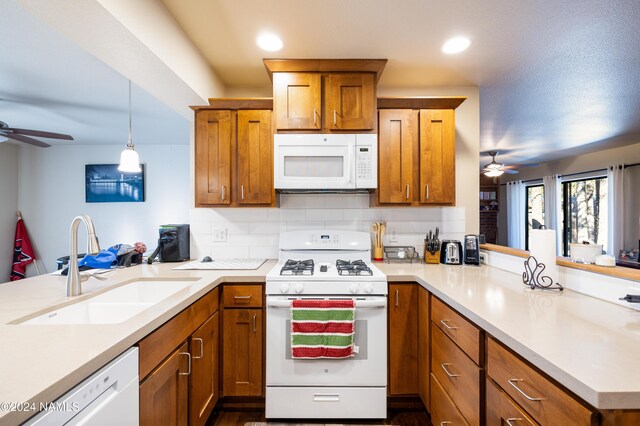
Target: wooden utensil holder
378,253
431,258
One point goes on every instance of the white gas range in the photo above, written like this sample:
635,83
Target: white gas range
330,265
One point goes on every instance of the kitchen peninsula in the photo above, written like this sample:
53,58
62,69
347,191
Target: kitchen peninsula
577,341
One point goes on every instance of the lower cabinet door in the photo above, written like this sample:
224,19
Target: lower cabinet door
203,381
242,352
164,394
443,411
502,411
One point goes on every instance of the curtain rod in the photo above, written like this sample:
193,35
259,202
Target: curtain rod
578,173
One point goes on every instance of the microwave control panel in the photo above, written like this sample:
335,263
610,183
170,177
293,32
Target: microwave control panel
366,161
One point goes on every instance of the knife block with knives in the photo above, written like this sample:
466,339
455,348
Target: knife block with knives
432,247
378,229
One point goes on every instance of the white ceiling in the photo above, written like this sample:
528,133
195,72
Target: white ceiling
556,77
49,83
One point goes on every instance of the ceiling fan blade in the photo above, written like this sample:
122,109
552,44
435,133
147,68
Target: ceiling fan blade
510,171
25,139
38,133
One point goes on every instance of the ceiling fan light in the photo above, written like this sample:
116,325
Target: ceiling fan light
494,173
129,160
493,166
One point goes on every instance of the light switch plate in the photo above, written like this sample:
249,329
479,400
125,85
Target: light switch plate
219,235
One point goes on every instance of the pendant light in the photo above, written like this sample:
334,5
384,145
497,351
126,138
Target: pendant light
129,160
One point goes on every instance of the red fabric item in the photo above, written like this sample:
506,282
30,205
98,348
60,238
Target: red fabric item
22,253
327,304
314,327
322,352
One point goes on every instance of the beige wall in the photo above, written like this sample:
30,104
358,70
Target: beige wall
467,139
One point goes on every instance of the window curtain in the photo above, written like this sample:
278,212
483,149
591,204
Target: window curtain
552,207
615,192
516,215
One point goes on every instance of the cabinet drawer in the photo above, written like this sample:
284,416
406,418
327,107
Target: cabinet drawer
501,410
443,410
161,342
538,396
458,375
242,296
458,328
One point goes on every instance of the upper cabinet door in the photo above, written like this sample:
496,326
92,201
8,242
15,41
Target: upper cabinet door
255,158
398,134
350,102
213,151
297,98
437,156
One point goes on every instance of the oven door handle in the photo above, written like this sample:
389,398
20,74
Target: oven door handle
359,303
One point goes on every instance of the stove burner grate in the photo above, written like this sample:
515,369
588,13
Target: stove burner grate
297,267
355,267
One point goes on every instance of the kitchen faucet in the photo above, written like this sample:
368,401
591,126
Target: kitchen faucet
74,279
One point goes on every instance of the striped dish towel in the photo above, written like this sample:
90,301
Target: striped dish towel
322,329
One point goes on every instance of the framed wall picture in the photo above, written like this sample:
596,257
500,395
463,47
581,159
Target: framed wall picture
104,183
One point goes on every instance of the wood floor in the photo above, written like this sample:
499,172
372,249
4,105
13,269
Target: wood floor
256,418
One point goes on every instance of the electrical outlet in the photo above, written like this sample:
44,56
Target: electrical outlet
219,235
393,236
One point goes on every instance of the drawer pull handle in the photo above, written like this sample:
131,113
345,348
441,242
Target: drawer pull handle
446,370
397,298
449,327
511,382
510,420
241,297
407,191
335,118
445,422
222,195
242,191
326,397
201,348
189,357
315,118
254,324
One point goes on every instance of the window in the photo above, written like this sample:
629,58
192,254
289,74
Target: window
535,210
584,205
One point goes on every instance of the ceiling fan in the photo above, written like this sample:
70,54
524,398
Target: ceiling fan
495,169
24,135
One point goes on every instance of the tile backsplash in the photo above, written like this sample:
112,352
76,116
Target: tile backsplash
253,232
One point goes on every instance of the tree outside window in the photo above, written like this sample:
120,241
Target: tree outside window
585,212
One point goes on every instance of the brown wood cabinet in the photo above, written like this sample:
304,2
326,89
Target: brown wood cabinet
424,345
538,396
233,157
243,340
179,366
203,381
213,151
397,138
403,339
437,156
349,101
164,394
502,410
463,332
443,411
297,101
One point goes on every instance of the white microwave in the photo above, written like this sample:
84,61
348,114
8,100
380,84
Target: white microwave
325,161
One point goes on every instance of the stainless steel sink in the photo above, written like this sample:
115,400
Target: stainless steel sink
112,306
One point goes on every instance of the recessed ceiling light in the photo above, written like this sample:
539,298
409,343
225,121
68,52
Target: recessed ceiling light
455,45
269,42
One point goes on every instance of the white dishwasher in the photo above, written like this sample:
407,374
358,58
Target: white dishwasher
108,397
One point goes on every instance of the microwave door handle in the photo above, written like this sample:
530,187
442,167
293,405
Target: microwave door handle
350,162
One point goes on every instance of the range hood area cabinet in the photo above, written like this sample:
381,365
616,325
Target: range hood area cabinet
324,94
233,156
416,157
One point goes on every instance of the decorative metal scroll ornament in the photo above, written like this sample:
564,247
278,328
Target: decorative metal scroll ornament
532,276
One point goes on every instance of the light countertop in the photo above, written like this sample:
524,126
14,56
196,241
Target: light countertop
590,346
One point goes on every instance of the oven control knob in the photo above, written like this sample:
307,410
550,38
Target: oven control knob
284,288
368,288
354,288
298,288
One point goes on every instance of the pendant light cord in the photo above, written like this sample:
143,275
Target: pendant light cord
130,138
